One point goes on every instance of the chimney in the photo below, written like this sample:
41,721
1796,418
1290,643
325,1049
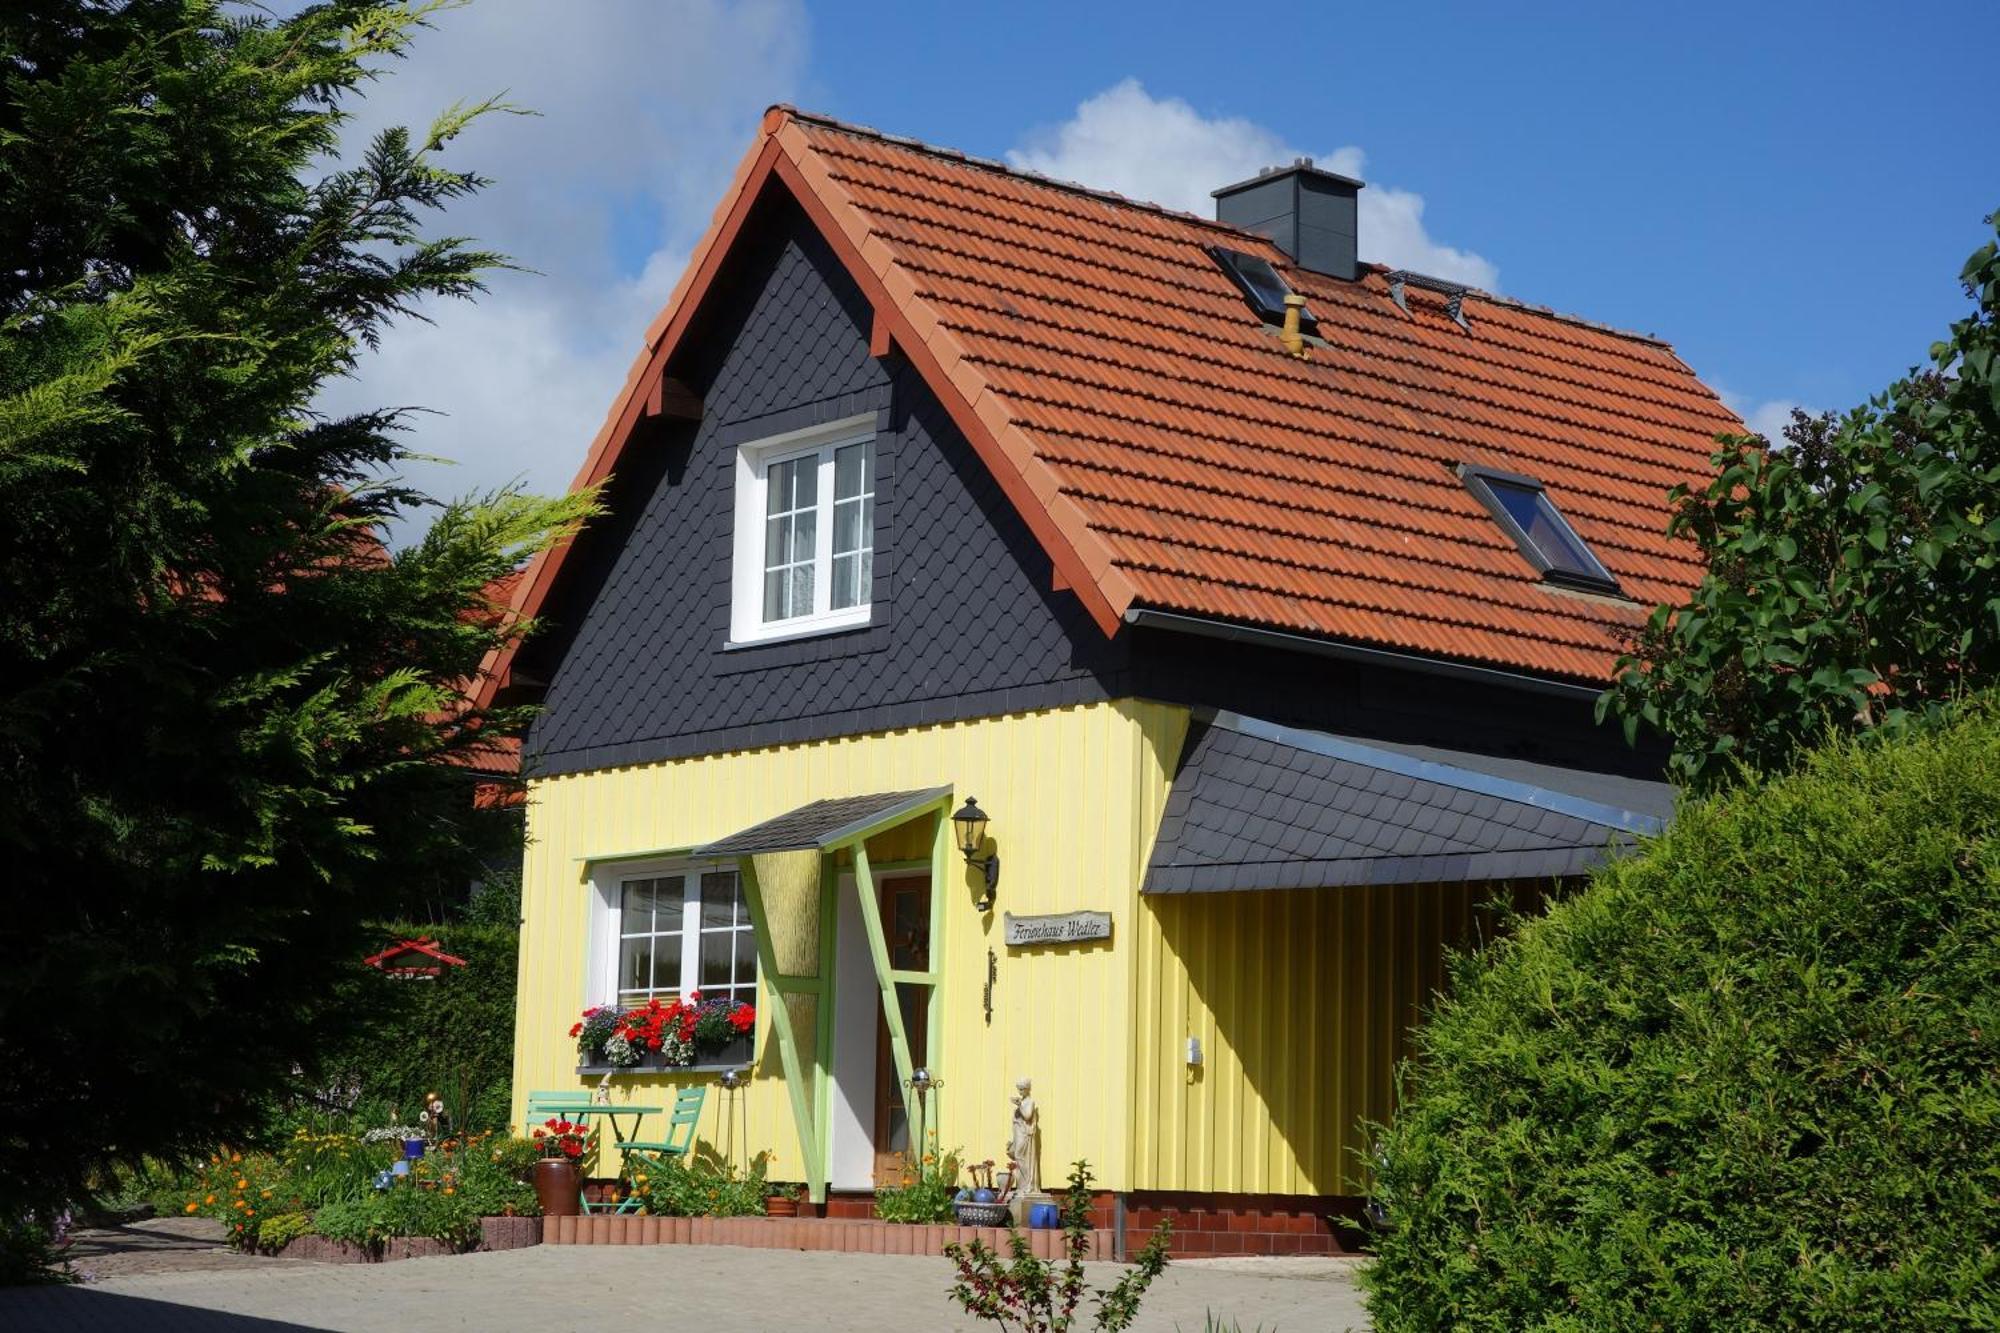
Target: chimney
1307,212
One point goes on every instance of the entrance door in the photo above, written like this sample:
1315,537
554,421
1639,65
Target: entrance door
906,925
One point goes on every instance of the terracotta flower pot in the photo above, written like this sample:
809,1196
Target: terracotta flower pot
781,1205
557,1188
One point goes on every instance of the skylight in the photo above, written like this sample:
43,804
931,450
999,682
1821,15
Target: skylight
1527,514
1261,284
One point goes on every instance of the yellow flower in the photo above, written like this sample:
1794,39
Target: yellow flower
642,1177
267,1194
449,1190
241,1183
192,1208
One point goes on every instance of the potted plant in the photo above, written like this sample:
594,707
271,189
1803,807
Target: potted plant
781,1199
562,1145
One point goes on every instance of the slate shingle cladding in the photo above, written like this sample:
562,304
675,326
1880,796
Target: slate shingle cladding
965,623
1250,812
819,823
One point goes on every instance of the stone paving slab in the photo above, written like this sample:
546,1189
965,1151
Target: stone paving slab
549,1288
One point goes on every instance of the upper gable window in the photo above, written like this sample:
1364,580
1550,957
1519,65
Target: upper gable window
805,532
1527,514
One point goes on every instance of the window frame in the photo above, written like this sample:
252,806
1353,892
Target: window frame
607,932
754,461
1481,482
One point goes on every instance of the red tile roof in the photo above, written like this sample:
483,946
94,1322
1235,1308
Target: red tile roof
1171,456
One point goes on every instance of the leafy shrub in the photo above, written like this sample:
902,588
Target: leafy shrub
327,1168
452,1035
240,1190
927,1189
356,1221
1746,1079
700,1186
281,1229
1033,1294
28,1253
493,1174
438,1213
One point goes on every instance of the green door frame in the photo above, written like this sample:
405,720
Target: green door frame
812,1098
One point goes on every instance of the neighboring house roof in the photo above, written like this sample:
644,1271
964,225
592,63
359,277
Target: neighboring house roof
418,955
1259,806
1170,456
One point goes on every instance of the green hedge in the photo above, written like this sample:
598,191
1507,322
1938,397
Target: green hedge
453,1036
1749,1079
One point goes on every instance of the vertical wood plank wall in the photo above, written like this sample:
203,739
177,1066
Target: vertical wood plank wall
1302,1001
1075,796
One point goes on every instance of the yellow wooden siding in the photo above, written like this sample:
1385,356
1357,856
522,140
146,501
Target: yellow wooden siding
1075,795
1302,1001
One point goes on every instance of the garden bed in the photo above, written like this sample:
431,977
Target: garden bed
496,1233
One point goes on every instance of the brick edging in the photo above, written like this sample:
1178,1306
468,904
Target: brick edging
495,1233
846,1235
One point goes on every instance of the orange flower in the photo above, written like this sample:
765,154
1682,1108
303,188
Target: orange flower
192,1208
241,1183
250,1212
209,1199
236,1157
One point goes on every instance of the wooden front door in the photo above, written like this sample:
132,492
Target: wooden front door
906,925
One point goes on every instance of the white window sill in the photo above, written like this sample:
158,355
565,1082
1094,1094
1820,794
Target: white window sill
794,634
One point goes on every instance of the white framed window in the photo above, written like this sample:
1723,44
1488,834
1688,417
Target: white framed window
805,532
664,930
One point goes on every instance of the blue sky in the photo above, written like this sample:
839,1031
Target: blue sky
1785,192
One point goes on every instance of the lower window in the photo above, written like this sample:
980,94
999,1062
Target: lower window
682,930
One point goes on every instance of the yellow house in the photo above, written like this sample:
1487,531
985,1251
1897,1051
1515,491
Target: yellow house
1038,635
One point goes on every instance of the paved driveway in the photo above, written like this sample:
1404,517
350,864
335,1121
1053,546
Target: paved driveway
554,1287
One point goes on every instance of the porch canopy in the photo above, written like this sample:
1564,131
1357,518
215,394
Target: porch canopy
1260,806
803,1012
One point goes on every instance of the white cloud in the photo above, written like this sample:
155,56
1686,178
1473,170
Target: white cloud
1767,417
644,109
1164,151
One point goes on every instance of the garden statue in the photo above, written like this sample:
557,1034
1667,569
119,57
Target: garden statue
601,1094
1022,1154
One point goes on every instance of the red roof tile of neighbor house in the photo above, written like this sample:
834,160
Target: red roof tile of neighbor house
1171,456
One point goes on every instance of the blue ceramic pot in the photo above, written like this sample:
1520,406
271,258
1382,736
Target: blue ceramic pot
1045,1217
413,1148
982,1196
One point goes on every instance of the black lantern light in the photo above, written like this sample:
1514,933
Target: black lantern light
970,821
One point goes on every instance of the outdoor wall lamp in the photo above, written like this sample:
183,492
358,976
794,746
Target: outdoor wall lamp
970,821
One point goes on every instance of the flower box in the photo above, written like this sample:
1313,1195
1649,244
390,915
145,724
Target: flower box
682,1034
730,1055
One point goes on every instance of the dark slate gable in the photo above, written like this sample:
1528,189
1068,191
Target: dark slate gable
641,671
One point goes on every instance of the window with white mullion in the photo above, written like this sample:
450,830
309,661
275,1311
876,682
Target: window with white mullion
652,943
680,932
853,526
792,537
805,532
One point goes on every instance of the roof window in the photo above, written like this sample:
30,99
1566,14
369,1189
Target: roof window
1261,284
1527,514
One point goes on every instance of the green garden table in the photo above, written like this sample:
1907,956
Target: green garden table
578,1107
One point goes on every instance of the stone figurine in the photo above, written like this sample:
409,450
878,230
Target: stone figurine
1022,1152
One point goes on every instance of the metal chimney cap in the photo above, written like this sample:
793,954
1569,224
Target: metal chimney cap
1303,166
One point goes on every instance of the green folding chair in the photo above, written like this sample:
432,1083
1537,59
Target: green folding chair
679,1142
